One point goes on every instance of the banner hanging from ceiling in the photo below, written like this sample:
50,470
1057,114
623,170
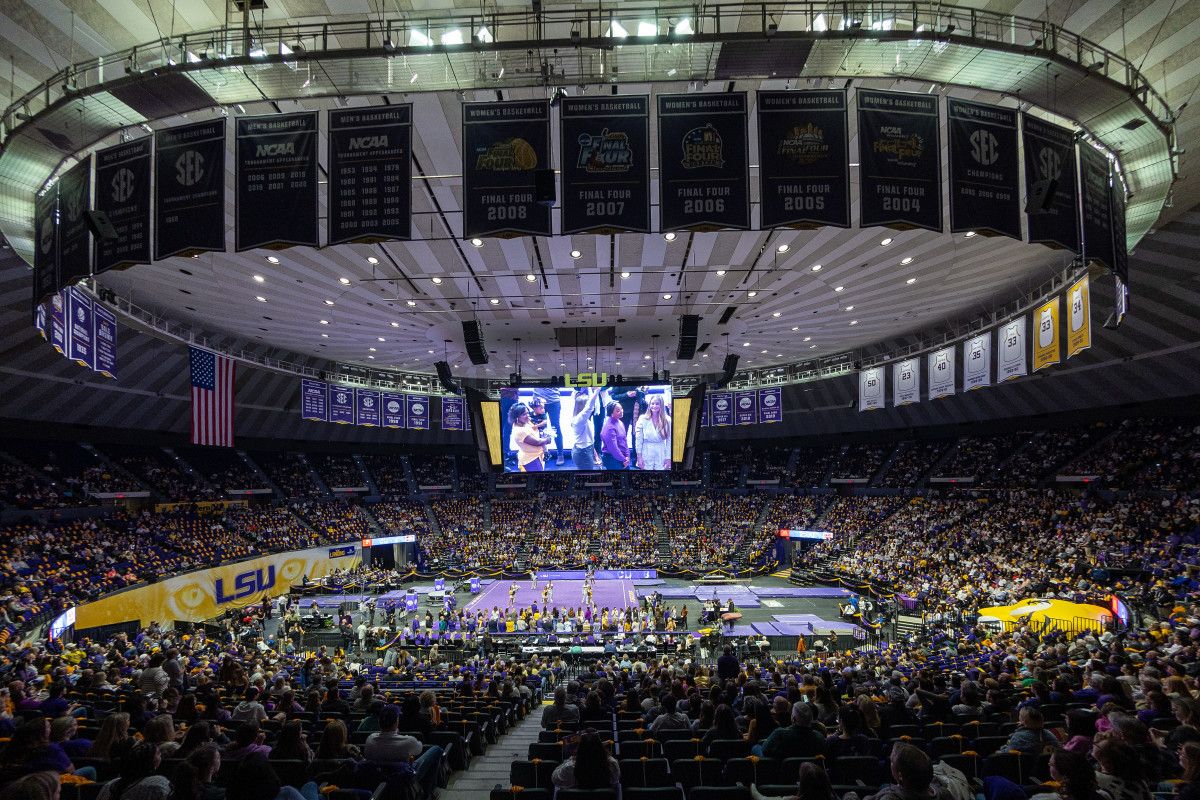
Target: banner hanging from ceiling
984,168
745,411
605,146
504,146
452,413
1047,347
418,412
721,409
104,340
1050,173
45,254
1116,205
314,400
74,237
276,181
367,407
1095,174
189,189
80,328
900,160
977,361
123,195
1012,362
804,166
871,395
941,373
1079,317
393,410
906,382
370,173
770,405
703,162
341,405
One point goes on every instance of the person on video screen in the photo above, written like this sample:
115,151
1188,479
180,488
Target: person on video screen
652,435
633,403
531,443
546,402
613,439
587,402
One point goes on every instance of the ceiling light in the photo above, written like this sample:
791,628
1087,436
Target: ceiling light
624,274
796,328
259,279
452,37
413,79
617,30
508,366
371,357
751,293
494,301
418,39
704,355
576,254
839,288
371,349
783,248
436,280
344,281
762,352
430,353
395,324
806,338
272,259
906,260
531,278
324,321
684,27
260,298
812,347
645,358
647,29
324,335
885,242
257,52
853,322
372,260
815,268
410,303
380,338
911,281
670,237
849,308
477,242
969,234
666,297
328,302
531,360
777,314
484,35
745,344
720,273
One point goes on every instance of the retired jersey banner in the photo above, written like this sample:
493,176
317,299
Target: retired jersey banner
189,188
123,193
703,162
58,322
1050,156
721,411
314,400
605,164
745,411
45,254
393,410
770,405
804,166
74,236
370,173
906,382
79,328
452,413
1079,317
1011,359
977,361
504,145
104,340
1095,173
367,407
871,389
418,412
984,162
900,158
341,405
1047,349
276,181
941,373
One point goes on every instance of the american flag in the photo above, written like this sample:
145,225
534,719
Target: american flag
212,398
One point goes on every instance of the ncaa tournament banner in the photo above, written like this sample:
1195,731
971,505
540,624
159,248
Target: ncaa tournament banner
79,328
1047,350
418,412
104,340
393,410
341,405
45,256
906,382
721,413
744,410
977,361
452,413
941,373
367,406
870,389
504,144
804,166
314,400
58,322
1079,317
770,405
123,193
1050,156
984,179
1011,363
189,188
703,162
276,181
1094,174
898,148
74,238
605,164
370,173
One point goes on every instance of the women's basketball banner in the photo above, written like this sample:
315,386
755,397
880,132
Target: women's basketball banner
367,407
104,340
314,400
977,361
984,182
1047,348
906,381
721,411
745,411
452,413
189,188
703,162
941,373
1050,173
393,410
123,193
504,146
871,389
770,405
605,164
418,412
276,181
900,157
1012,363
341,405
370,173
802,149
1079,318
79,328
1095,173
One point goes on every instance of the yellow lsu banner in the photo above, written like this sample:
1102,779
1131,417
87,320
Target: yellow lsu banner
1046,348
1079,317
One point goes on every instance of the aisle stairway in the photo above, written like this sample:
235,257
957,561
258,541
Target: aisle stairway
493,767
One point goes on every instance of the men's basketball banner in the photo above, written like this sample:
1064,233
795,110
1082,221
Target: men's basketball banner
984,179
452,413
605,164
276,181
370,173
744,410
721,412
1012,363
871,389
900,157
1095,173
977,361
941,373
504,146
123,194
74,236
104,341
341,405
1050,165
79,328
189,188
1079,317
367,407
804,167
1047,347
393,410
314,400
418,412
703,161
770,405
906,381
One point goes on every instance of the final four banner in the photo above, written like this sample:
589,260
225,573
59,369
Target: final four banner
900,157
804,167
104,340
744,410
984,163
977,361
276,181
770,405
1012,363
941,373
1050,156
123,193
314,400
703,162
341,405
1094,176
74,237
80,332
1047,347
871,389
605,164
1079,317
189,188
370,173
45,256
367,407
418,412
720,413
393,410
452,413
504,144
906,381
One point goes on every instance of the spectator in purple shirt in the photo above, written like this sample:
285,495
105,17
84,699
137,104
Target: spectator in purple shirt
614,445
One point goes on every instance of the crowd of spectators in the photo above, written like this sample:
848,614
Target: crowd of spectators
625,532
433,470
979,457
910,462
1045,451
861,461
791,510
561,532
167,476
401,517
225,469
813,464
339,471
388,472
333,520
291,472
271,528
21,488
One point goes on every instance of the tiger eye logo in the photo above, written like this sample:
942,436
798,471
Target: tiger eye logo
188,601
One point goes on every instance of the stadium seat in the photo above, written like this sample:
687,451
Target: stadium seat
640,748
790,768
691,772
719,793
651,793
728,748
853,769
534,774
585,794
645,772
546,751
752,770
521,793
967,763
681,749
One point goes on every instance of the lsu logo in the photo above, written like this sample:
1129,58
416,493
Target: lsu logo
276,149
703,147
247,584
984,147
122,185
604,152
189,168
591,379
368,142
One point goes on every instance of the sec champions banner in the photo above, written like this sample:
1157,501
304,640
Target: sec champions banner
1047,348
367,407
504,145
906,382
703,162
341,405
605,164
393,410
1094,177
984,179
1011,362
977,361
804,169
871,389
370,173
1050,156
770,405
941,373
900,157
1079,317
123,193
189,188
721,409
314,400
276,181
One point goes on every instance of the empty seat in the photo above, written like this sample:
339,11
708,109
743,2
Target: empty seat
699,771
645,772
534,774
753,770
725,749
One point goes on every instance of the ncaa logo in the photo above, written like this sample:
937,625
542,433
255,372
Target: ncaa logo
393,407
189,168
722,404
122,185
1049,162
745,402
341,397
769,400
418,409
984,147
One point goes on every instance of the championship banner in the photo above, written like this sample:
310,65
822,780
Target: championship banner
703,162
452,413
1116,205
418,412
276,195
341,405
770,405
104,340
74,237
721,413
1047,350
39,319
900,157
1120,299
367,406
370,173
393,410
1050,157
58,322
977,361
906,382
1094,176
744,407
605,164
123,193
1079,318
1012,362
314,400
504,145
984,162
79,328
870,389
45,234
189,189
704,412
804,167
941,373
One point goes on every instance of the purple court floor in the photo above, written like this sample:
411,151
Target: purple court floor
567,594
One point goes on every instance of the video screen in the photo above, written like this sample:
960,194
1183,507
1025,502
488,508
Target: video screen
553,429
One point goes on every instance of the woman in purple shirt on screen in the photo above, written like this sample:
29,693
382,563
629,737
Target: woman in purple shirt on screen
614,444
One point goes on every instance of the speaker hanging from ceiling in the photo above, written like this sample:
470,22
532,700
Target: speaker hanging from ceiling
473,341
689,331
728,368
446,379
